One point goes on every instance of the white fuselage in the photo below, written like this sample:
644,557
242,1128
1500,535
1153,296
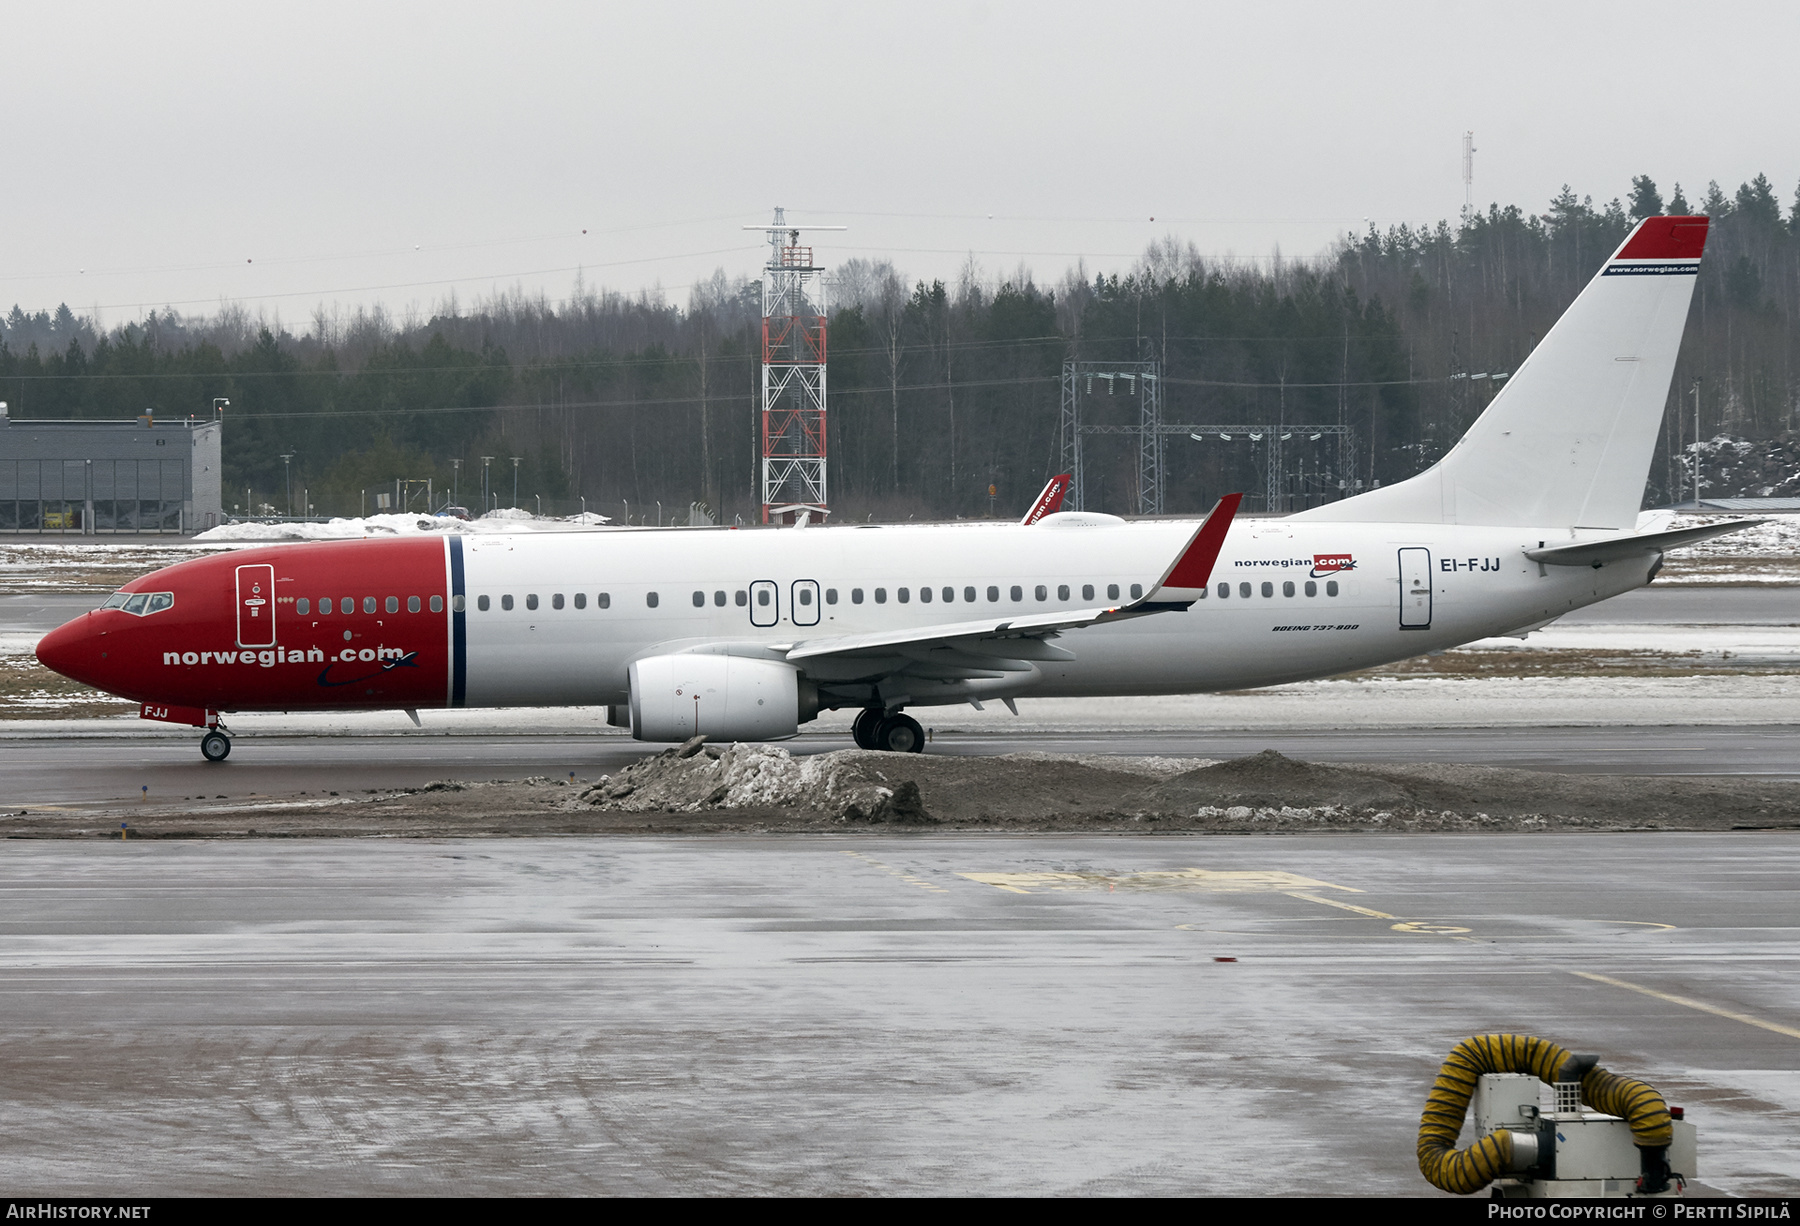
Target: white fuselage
870,579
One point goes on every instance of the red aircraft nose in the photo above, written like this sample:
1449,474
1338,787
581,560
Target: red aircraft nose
71,650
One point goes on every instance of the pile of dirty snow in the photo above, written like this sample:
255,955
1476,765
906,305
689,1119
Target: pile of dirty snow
850,784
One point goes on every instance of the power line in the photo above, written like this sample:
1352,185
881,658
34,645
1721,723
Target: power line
534,368
363,289
373,254
880,389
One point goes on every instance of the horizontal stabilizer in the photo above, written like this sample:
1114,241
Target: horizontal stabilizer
1621,548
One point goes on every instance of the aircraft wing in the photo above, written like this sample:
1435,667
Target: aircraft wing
1620,548
994,647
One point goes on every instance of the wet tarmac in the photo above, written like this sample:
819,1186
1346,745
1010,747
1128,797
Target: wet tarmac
840,1015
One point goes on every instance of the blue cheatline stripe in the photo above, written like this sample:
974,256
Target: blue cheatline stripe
1651,270
459,629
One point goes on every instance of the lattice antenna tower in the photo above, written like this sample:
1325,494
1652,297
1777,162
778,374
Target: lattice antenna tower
795,484
1468,176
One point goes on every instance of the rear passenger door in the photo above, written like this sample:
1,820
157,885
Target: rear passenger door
1415,589
765,603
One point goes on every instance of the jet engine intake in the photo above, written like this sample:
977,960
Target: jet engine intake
723,697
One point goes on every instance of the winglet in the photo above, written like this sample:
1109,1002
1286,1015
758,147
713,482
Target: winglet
1050,501
1194,567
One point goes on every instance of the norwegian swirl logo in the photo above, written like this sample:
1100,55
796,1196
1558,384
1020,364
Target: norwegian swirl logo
1331,564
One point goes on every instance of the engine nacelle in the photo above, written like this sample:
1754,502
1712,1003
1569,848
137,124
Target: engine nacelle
728,698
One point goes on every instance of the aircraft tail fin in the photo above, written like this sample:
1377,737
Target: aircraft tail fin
1050,501
1568,441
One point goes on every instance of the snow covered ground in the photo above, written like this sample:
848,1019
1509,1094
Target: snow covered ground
504,520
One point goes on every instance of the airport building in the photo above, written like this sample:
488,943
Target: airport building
107,478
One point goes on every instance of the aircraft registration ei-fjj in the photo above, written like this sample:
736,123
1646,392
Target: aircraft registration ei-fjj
746,635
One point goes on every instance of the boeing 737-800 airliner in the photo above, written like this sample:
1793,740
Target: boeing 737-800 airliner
746,635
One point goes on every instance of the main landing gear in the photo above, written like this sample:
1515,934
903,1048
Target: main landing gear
896,733
215,746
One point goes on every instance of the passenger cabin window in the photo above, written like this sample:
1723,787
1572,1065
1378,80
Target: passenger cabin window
457,604
556,601
348,604
1041,592
481,602
993,595
437,604
1112,591
762,597
719,599
1312,589
413,606
905,595
368,604
581,600
969,595
1137,591
1331,587
1062,591
651,599
806,596
740,598
1244,590
1087,591
1224,590
531,600
924,595
855,595
699,600
324,604
506,603
949,594
1268,589
880,595
302,606
393,604
830,595
604,600
1287,589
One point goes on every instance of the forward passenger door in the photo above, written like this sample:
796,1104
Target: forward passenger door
803,607
765,603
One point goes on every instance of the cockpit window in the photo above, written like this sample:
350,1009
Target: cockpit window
140,604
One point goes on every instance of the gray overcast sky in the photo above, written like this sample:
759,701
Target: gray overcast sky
353,153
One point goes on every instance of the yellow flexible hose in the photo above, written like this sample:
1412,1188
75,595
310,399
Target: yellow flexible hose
1471,1169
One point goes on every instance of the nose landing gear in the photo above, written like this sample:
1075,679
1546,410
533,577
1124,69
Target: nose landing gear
215,746
896,733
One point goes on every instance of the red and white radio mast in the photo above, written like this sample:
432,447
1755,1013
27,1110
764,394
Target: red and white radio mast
793,378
